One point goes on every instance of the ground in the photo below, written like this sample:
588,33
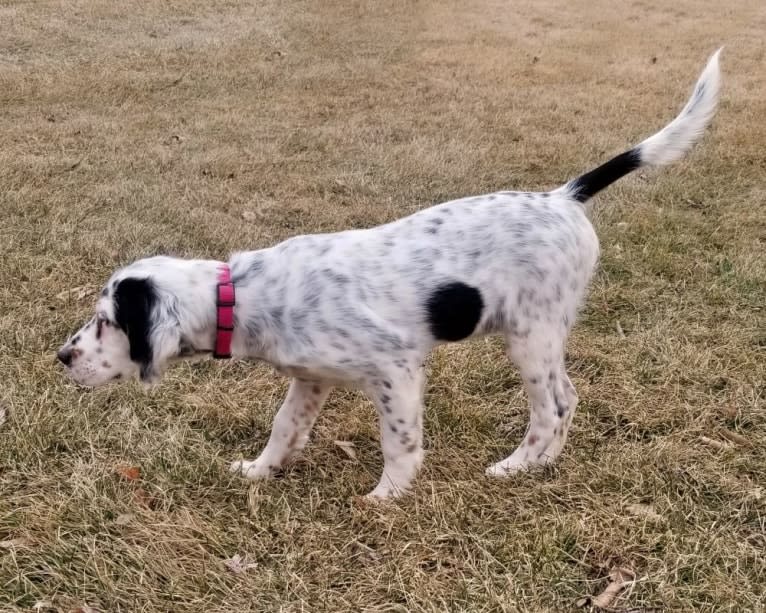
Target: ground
200,128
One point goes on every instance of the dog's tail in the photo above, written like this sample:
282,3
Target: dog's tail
664,147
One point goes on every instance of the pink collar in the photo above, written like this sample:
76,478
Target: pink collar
224,313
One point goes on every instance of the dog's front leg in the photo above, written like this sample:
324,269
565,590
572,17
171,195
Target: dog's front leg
399,401
291,429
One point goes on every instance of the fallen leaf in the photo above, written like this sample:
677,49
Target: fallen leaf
124,519
619,579
76,293
238,565
16,543
368,552
646,511
130,473
713,443
360,502
141,497
348,447
620,331
736,438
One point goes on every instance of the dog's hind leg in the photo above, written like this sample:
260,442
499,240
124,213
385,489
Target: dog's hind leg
566,403
552,399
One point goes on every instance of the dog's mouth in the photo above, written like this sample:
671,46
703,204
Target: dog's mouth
90,380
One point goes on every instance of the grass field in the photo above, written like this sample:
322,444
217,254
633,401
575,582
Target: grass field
198,128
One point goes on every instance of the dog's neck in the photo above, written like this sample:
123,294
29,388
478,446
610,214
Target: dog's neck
258,326
196,295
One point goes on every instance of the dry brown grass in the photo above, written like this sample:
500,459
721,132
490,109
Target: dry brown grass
129,129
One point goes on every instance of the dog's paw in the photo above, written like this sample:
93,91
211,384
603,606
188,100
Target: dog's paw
385,490
379,495
254,470
507,468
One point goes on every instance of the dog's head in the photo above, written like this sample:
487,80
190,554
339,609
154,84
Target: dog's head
135,330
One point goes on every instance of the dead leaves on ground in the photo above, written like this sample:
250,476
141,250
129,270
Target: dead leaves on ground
143,498
736,438
129,473
77,293
730,438
238,565
645,511
714,443
45,605
347,447
140,497
16,543
620,578
124,519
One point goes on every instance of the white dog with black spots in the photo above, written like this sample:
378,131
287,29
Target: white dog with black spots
363,308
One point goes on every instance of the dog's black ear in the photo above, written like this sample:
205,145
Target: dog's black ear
134,301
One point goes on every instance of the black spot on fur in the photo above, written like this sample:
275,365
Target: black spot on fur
134,300
256,266
454,310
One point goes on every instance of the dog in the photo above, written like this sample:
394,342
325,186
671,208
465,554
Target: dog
363,308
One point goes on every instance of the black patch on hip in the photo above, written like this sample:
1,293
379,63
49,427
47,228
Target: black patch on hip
454,311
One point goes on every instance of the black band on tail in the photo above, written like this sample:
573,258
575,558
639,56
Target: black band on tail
588,185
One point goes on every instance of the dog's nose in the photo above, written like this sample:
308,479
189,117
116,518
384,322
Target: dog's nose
64,356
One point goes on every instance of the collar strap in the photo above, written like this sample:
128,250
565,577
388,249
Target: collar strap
224,313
